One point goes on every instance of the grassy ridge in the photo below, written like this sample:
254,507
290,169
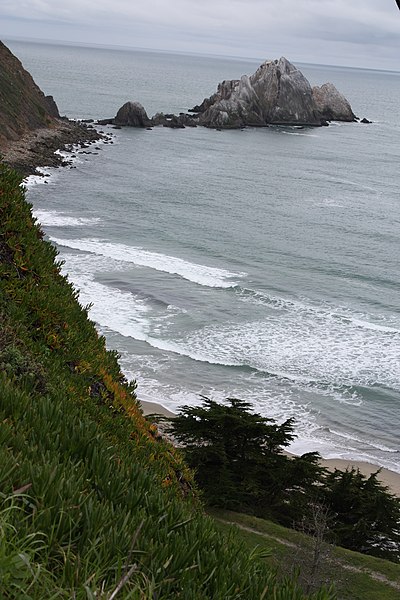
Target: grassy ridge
93,503
355,576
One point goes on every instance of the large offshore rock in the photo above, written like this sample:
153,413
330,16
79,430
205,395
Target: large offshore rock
332,105
277,93
132,114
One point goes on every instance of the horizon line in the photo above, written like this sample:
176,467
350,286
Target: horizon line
124,48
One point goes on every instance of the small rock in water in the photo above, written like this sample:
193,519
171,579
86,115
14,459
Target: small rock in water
132,114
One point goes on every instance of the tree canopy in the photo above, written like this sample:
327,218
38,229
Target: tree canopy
240,464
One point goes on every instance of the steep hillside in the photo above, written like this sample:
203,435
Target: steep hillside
23,106
93,503
30,125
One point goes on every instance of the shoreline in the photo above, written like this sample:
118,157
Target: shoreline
43,147
389,478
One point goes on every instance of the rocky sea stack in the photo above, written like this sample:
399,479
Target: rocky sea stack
276,94
132,114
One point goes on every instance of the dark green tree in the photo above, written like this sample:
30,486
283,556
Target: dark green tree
237,455
367,515
239,464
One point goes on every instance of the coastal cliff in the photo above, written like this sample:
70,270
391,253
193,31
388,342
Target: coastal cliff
31,128
23,106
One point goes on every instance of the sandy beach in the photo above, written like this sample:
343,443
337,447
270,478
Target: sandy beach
388,478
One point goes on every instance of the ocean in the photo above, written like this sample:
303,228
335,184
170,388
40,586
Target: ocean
260,264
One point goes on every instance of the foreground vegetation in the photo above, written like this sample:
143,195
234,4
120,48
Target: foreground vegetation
356,576
93,503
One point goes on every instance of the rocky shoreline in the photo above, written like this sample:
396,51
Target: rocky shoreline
39,148
32,132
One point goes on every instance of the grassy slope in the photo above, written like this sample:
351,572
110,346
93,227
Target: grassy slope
88,491
355,576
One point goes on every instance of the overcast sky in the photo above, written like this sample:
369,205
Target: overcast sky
364,33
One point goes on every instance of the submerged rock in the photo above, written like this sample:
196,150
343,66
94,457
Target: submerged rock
132,114
174,121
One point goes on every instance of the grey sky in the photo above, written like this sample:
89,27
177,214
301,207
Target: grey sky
363,33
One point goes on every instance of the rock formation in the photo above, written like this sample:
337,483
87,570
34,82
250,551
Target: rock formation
276,94
132,114
174,121
331,104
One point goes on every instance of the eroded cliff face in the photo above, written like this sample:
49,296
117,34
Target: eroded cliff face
23,106
277,93
31,129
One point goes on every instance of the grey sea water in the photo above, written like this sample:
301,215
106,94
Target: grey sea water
261,264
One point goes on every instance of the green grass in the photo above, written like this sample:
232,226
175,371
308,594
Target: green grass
93,503
355,576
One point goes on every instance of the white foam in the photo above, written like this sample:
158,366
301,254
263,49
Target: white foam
117,310
200,274
320,310
332,449
52,218
353,438
122,311
314,350
374,326
296,133
45,174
